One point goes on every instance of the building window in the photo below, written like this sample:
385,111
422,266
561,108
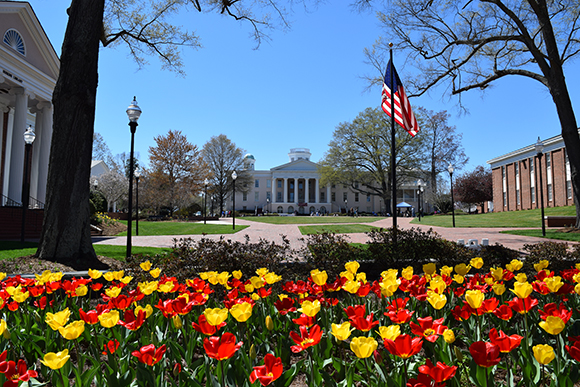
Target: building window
568,176
518,196
548,160
291,197
532,181
504,185
368,198
268,183
550,195
279,196
13,39
256,196
356,184
279,183
257,183
269,195
245,197
344,186
569,189
322,197
279,209
344,197
244,208
290,209
333,186
333,196
505,199
533,191
356,196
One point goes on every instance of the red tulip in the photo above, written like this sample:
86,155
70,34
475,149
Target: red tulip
574,350
110,347
404,346
428,328
91,317
400,317
522,305
485,354
15,374
355,311
270,371
285,305
149,355
221,348
305,339
504,312
204,327
552,309
304,320
439,373
133,322
364,324
504,342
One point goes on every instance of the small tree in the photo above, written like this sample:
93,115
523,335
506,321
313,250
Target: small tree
112,185
474,188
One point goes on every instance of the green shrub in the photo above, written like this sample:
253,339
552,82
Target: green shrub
556,253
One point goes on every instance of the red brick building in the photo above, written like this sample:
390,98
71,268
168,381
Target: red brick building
516,177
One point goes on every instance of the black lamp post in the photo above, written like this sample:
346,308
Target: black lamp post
205,183
28,140
133,112
268,205
419,191
540,153
451,169
137,176
234,177
346,206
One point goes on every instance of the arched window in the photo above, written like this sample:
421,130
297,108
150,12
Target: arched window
280,209
312,210
13,39
323,210
290,209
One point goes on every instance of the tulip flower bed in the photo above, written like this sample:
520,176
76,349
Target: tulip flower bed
447,326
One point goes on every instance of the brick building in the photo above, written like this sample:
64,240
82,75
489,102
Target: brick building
516,178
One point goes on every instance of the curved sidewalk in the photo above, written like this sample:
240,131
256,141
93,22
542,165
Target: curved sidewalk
274,232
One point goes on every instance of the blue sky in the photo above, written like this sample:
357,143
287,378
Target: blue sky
293,91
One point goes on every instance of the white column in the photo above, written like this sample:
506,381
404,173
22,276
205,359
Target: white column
328,193
306,190
44,150
273,188
285,190
35,153
316,191
17,148
295,190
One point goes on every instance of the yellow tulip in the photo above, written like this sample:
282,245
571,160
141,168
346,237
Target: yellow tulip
177,323
541,265
437,300
241,312
389,286
126,279
497,273
446,271
155,272
390,274
352,267
341,331
310,308
215,316
262,271
55,361
109,276
437,284
148,310
148,288
3,326
19,296
255,296
165,287
477,262
363,347
459,278
237,274
515,265
272,278
269,323
109,319
462,269
474,298
521,277
223,277
448,336
407,273
554,283
553,325
361,277
348,275
81,291
498,288
391,332
351,286
257,282
543,353
113,292
95,274
146,266
73,330
429,268
577,289
57,320
2,275
319,277
522,289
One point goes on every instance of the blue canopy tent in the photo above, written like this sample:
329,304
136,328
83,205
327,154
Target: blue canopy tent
404,208
404,205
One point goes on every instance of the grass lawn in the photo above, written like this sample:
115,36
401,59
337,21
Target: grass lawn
525,218
551,234
275,219
181,228
337,229
10,250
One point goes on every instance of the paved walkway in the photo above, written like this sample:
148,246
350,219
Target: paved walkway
273,232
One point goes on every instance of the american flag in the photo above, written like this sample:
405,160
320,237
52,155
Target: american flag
403,113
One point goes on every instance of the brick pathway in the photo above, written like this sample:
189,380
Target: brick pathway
273,232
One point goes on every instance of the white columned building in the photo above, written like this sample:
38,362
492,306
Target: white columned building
29,68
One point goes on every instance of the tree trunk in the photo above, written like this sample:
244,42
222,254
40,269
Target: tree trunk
66,235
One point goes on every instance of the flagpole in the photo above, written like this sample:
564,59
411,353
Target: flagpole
393,156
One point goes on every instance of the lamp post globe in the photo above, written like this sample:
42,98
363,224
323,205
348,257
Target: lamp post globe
540,152
450,169
29,137
133,113
234,177
205,184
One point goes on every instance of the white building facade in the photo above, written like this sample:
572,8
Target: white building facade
295,187
29,67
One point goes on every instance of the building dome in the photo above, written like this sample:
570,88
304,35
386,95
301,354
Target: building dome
249,156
